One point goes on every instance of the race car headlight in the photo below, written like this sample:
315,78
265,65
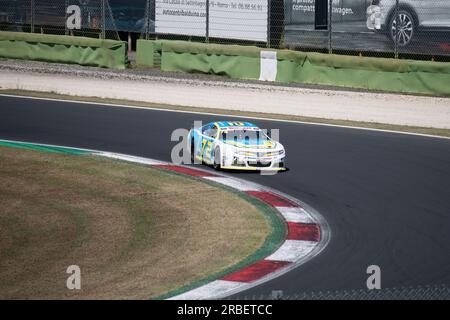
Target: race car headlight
259,153
244,153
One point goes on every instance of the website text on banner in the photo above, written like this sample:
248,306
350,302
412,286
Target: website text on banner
226,19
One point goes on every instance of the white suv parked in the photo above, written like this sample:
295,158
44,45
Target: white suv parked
412,16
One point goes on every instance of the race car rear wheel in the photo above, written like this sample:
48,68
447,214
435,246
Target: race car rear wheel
217,159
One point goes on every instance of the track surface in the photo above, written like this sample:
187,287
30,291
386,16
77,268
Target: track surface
385,196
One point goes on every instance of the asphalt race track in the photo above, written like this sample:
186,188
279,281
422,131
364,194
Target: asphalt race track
385,196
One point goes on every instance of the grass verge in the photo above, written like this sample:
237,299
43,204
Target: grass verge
268,116
136,232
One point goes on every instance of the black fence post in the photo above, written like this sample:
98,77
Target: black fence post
397,5
269,5
207,21
103,19
66,5
32,17
147,20
330,26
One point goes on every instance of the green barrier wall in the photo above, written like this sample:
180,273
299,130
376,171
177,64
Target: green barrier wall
241,62
64,49
145,53
148,53
233,61
402,76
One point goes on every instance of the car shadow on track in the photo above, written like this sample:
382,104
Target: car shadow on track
242,172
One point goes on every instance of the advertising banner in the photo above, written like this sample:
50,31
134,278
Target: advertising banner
238,19
183,17
302,11
366,25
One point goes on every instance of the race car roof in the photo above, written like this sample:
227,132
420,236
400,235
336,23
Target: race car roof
236,125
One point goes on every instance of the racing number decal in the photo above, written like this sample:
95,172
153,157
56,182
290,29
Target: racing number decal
208,150
206,147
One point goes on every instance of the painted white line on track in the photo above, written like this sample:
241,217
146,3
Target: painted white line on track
134,159
229,115
236,184
212,289
292,250
295,214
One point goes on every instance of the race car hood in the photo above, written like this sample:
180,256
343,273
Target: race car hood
253,144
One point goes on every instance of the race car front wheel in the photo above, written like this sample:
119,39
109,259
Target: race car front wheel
217,159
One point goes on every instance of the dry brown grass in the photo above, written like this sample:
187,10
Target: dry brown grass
136,232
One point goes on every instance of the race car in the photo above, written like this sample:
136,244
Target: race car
235,145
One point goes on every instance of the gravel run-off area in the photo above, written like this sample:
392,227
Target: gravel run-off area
206,91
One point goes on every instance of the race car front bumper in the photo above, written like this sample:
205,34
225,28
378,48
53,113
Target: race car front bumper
238,162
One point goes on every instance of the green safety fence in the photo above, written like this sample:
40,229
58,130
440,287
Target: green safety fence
243,62
64,49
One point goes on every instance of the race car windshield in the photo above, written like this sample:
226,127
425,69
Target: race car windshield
248,136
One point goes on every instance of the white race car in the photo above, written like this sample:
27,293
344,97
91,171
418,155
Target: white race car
235,145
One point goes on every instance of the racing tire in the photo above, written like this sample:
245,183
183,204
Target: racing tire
217,159
406,29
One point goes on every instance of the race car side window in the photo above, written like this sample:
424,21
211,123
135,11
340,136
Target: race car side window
205,128
212,132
